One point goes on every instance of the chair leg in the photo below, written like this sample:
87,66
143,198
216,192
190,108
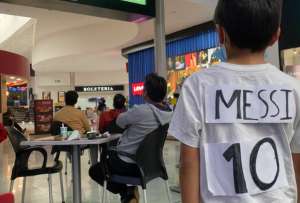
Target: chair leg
66,163
168,191
104,192
145,195
23,190
50,188
62,187
11,186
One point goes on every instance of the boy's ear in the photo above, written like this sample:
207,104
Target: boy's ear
275,37
221,33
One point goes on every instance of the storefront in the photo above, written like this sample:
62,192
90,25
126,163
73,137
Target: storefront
89,96
90,86
16,68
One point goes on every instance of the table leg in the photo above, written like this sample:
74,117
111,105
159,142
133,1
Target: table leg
76,174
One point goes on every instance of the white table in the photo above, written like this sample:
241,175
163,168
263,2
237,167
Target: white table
76,173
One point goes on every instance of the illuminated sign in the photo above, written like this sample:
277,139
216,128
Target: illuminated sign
142,2
137,89
107,88
143,7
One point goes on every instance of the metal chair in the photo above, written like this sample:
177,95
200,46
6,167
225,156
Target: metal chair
149,159
21,169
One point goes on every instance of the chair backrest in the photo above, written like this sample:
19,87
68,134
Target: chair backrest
16,137
149,156
55,127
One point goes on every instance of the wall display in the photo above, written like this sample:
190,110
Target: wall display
17,95
107,88
181,67
43,116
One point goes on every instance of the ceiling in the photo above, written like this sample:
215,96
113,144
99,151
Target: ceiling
63,42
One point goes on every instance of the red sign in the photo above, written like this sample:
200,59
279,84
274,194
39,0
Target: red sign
137,89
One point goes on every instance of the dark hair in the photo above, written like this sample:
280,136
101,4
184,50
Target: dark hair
250,24
119,101
71,98
101,104
156,87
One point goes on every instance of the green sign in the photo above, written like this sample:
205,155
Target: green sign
143,7
141,2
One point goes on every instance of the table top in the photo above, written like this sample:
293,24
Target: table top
58,141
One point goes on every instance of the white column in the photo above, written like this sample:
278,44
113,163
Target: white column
160,40
72,81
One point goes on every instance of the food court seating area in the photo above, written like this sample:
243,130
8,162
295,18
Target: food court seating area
37,189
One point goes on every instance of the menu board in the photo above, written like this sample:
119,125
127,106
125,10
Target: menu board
43,116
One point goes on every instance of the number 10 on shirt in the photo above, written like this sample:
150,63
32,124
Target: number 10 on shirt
240,168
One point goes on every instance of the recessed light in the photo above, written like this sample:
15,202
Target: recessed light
19,79
12,77
295,52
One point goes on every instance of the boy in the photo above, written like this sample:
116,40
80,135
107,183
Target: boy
236,120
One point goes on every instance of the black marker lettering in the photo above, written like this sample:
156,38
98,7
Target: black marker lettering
265,103
272,100
287,92
235,96
246,105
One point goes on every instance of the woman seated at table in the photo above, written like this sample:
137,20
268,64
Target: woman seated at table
107,117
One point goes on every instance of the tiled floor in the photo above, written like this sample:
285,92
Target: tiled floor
37,187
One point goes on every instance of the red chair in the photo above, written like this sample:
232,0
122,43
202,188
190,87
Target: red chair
7,198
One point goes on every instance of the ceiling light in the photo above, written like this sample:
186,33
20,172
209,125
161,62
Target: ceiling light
19,79
12,77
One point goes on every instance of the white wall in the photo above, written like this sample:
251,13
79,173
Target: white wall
102,78
54,82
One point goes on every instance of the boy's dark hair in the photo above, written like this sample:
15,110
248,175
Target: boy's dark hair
119,101
156,87
250,24
71,98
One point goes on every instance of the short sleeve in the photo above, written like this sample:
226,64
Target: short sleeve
186,122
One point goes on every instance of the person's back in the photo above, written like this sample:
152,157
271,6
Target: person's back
71,116
143,119
107,117
237,120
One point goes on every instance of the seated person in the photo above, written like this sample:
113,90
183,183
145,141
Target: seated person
137,122
107,117
9,120
71,116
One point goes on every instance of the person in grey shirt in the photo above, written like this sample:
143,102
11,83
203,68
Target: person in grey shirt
137,123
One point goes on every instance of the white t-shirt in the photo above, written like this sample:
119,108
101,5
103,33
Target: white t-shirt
243,119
